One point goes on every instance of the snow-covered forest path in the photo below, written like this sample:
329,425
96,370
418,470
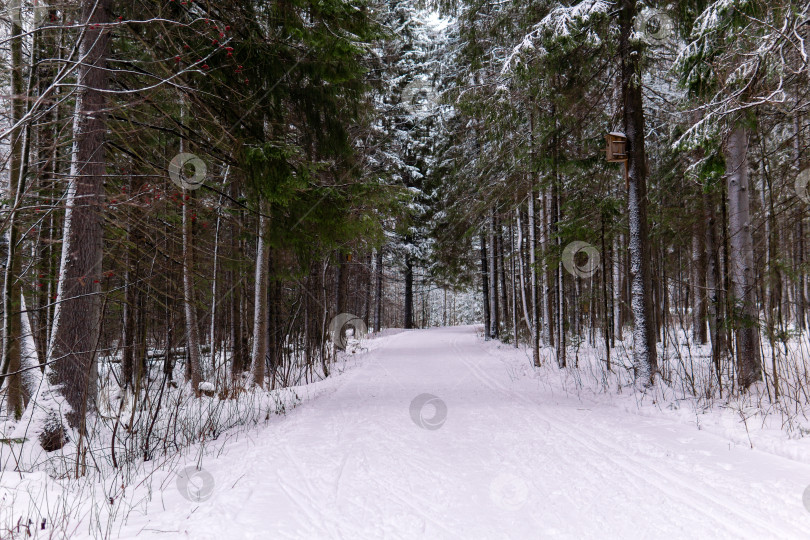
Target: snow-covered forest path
510,460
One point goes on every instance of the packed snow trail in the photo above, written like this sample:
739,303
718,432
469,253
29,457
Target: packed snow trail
510,460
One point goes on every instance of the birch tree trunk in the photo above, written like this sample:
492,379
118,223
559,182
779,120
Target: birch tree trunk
259,353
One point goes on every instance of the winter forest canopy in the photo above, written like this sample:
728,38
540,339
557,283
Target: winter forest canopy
208,205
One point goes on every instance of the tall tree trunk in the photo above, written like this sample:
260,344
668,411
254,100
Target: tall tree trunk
801,298
238,362
128,325
606,327
532,218
378,268
644,339
12,311
214,300
493,277
485,284
698,281
742,260
546,283
78,317
342,283
408,292
559,279
259,353
502,271
367,267
513,281
617,287
521,264
193,368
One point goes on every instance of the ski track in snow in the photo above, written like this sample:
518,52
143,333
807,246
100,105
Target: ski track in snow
511,461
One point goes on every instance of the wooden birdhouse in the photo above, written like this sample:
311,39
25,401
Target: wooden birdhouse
616,149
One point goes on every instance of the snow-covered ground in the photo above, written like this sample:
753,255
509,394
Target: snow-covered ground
437,434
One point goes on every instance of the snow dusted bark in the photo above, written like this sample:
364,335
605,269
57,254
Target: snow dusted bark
493,278
801,297
546,290
512,277
260,306
533,277
742,259
485,284
78,315
560,280
617,288
644,342
11,286
30,362
606,328
502,272
521,264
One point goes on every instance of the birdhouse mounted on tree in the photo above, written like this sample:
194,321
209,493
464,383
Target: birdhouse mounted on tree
616,152
616,149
